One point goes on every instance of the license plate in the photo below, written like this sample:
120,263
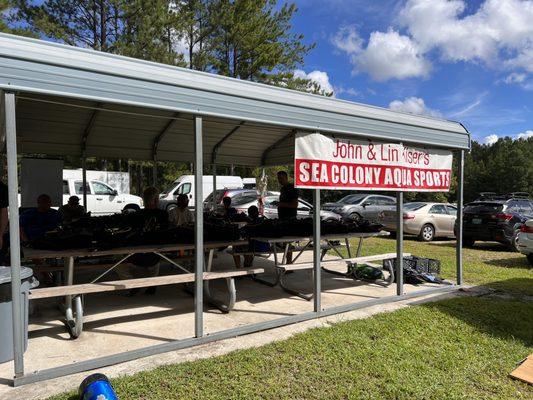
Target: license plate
477,221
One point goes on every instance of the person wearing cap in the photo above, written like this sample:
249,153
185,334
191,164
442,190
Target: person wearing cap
72,210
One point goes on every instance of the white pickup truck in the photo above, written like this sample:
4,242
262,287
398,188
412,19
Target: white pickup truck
102,199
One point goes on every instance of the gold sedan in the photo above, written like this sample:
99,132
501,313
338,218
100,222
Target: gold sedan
423,219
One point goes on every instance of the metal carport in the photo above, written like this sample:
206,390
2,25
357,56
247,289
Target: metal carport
60,100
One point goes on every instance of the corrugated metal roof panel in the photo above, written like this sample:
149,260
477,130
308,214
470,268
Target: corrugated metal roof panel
48,68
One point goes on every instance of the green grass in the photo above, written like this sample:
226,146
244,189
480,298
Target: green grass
462,348
487,264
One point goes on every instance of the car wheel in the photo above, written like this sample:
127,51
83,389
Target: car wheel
514,242
427,233
131,208
356,217
171,207
530,258
468,242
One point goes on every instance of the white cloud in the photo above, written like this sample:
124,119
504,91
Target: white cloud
499,34
348,40
388,55
319,77
491,139
413,105
525,135
524,60
498,28
348,90
391,55
515,77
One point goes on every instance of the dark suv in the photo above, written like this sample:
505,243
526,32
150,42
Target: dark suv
496,219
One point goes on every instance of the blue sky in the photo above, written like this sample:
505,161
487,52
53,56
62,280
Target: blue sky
469,61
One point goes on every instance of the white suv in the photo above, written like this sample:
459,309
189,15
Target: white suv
525,240
101,198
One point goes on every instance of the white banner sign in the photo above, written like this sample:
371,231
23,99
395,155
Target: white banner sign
325,162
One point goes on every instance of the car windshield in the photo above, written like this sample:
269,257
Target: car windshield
170,188
220,193
413,206
483,207
352,199
244,198
270,200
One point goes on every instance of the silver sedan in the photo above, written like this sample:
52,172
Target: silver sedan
270,209
423,219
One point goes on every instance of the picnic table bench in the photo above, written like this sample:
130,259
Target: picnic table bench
73,302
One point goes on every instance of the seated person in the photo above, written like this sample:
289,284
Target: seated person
71,211
34,223
181,215
254,246
228,211
145,265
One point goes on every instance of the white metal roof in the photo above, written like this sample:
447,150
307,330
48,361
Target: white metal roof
59,88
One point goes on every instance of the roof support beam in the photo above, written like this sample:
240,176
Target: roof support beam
276,144
89,128
162,134
221,141
2,122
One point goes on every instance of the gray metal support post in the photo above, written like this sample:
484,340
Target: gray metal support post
199,229
84,180
14,231
154,173
399,244
459,245
214,187
317,252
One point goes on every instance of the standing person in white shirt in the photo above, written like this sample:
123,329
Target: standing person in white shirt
181,215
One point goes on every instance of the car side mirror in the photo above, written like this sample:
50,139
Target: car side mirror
115,193
365,204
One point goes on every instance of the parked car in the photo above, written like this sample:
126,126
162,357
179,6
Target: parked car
362,206
185,185
496,219
241,199
102,199
424,219
525,240
305,209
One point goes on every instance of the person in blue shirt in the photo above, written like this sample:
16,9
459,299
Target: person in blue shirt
34,223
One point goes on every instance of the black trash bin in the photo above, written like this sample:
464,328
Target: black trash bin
6,311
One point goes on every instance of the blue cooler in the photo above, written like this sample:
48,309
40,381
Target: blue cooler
96,387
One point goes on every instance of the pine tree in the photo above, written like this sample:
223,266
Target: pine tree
195,26
9,20
253,40
148,31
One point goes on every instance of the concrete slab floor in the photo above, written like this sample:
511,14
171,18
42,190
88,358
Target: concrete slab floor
115,324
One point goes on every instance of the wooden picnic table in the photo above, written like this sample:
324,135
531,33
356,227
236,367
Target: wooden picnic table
74,312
